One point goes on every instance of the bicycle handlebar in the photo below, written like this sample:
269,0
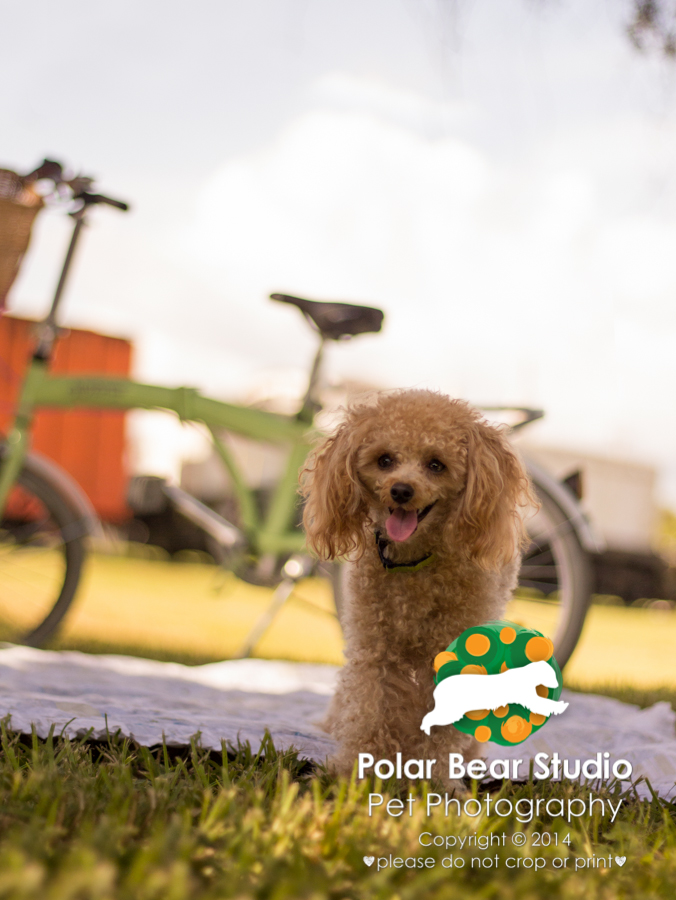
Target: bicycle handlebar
78,185
91,199
48,168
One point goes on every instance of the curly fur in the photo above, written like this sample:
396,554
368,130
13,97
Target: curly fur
396,622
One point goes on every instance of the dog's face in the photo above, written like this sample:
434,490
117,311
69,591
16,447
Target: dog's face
424,470
413,479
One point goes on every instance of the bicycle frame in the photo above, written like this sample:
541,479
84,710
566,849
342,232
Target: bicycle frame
275,533
558,559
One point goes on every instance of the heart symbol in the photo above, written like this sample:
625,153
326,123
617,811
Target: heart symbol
620,860
369,860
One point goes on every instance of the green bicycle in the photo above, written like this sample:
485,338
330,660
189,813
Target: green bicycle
43,544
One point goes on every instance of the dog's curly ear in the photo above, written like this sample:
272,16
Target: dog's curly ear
336,507
497,493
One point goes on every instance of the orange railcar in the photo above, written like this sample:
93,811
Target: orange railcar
88,443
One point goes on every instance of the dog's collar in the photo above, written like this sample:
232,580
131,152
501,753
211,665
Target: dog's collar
390,566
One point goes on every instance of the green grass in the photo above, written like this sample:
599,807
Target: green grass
191,612
115,821
119,822
194,613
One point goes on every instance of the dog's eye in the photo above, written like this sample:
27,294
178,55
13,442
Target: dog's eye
385,461
435,465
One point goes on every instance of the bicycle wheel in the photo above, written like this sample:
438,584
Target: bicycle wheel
555,581
41,554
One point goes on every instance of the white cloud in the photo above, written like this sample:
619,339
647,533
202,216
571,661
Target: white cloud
513,209
499,282
403,107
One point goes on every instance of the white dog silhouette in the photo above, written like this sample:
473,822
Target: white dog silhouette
459,694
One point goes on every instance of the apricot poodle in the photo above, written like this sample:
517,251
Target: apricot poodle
426,500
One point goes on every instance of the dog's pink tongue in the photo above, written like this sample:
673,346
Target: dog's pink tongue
401,524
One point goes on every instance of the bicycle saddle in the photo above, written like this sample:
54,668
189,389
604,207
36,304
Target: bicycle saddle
336,320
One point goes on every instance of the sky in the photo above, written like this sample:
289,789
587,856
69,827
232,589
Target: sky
499,176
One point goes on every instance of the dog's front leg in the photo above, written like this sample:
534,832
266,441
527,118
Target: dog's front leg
377,710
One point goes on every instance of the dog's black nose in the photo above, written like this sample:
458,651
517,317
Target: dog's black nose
401,493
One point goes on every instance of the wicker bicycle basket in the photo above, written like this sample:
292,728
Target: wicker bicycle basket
19,205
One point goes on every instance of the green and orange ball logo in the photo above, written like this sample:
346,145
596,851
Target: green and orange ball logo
488,650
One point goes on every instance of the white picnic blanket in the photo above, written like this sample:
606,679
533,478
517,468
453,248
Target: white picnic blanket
239,699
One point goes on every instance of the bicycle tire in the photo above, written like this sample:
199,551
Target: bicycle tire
562,565
42,551
555,562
